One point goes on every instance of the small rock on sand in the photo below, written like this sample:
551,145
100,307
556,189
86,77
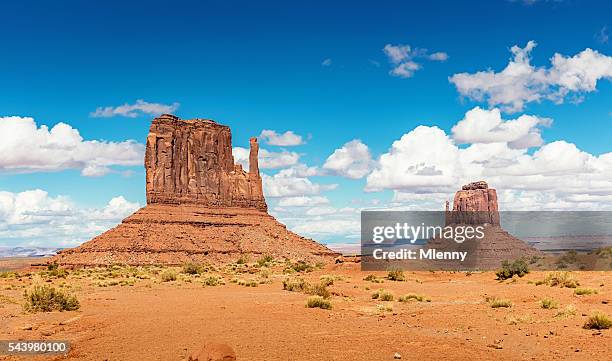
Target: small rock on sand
213,351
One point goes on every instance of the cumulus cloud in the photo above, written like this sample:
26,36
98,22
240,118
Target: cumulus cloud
267,159
520,82
487,126
404,59
302,201
25,147
287,183
137,109
286,139
353,160
425,164
35,218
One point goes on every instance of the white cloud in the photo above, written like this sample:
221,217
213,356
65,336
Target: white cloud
425,166
603,36
487,126
286,183
286,139
302,201
24,147
267,159
521,83
423,159
137,109
326,62
35,218
328,227
439,56
353,160
403,58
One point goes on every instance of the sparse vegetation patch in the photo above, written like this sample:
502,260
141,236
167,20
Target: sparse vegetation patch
47,298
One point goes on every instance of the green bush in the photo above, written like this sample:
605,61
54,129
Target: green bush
561,279
168,275
318,302
383,295
508,270
213,281
46,299
585,291
265,260
299,266
295,285
549,303
396,275
192,269
598,321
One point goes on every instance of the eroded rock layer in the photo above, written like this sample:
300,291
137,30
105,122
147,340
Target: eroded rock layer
191,162
175,234
201,207
475,203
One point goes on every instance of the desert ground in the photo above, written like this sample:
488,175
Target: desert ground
258,308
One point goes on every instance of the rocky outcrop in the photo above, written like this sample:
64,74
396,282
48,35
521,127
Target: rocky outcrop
191,162
201,207
475,203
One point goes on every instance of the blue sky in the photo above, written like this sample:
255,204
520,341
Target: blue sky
319,70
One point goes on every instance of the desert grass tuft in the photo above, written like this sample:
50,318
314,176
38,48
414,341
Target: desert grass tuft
413,296
495,302
549,303
581,291
168,275
45,298
569,310
383,295
295,284
598,321
318,302
396,275
560,279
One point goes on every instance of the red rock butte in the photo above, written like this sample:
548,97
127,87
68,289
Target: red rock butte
201,206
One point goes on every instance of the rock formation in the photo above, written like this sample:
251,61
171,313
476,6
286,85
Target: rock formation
191,162
475,203
201,207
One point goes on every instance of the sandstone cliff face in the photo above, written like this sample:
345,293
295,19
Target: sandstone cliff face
191,162
475,203
201,207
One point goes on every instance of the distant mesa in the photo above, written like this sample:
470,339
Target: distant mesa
475,203
201,206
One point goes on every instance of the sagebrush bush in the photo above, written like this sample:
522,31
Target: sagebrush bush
192,269
213,281
295,285
299,266
265,260
585,291
598,321
396,275
168,275
413,296
383,295
508,270
318,302
495,302
569,310
46,298
561,279
373,279
319,290
549,303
